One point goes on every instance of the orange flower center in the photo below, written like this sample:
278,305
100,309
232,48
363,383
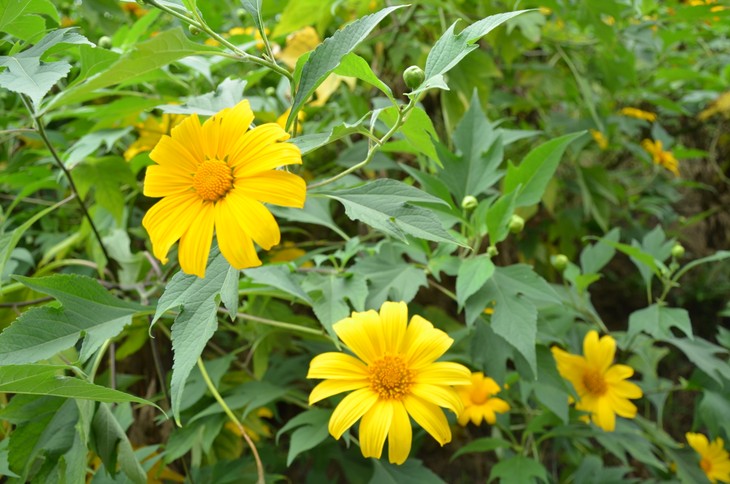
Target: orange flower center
479,395
706,465
390,378
213,180
594,382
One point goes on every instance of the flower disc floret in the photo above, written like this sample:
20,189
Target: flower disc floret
213,180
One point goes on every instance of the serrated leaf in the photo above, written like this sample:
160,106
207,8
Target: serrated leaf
473,273
22,18
536,170
485,444
311,429
112,445
352,65
411,471
328,55
389,277
385,204
253,7
702,353
518,470
329,292
594,257
228,93
279,277
87,307
418,131
658,321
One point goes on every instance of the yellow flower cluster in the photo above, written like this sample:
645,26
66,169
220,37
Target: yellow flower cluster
600,139
638,114
661,157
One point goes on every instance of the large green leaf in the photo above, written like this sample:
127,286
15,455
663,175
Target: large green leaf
112,445
386,205
87,308
23,18
352,65
328,55
389,276
418,131
658,321
518,470
197,301
473,273
536,170
310,429
411,471
329,292
702,353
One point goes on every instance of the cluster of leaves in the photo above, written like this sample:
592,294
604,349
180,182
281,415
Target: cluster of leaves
108,359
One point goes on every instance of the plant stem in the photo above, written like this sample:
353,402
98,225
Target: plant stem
42,132
234,419
280,324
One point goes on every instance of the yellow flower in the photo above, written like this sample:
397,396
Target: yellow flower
638,114
545,11
281,120
601,387
394,374
714,459
479,404
719,105
600,139
216,177
150,133
661,157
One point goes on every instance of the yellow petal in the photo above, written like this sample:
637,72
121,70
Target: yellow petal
162,181
298,43
195,242
172,154
190,135
233,125
168,220
260,149
423,343
430,417
394,318
352,333
400,435
622,406
235,244
603,416
444,373
254,218
374,428
618,373
329,388
697,441
350,409
439,395
274,186
599,353
498,405
337,366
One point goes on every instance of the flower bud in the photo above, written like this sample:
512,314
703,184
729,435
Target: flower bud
105,42
270,91
516,224
559,262
492,251
678,251
242,15
469,203
413,77
193,29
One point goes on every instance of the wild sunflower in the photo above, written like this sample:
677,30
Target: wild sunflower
479,400
661,157
714,459
393,374
600,385
215,177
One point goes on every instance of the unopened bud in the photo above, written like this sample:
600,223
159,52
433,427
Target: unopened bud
678,251
193,29
516,224
242,15
492,251
270,91
559,262
469,202
413,77
105,42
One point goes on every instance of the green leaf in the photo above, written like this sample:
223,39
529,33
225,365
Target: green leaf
411,471
228,93
536,170
143,58
594,257
473,273
89,143
499,215
702,353
386,205
26,74
87,309
316,211
329,294
451,48
485,444
518,469
328,55
300,14
49,380
197,321
658,321
390,277
281,278
713,411
111,445
311,430
253,7
352,65
23,18
550,388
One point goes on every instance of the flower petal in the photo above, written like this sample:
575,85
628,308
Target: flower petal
497,405
350,409
400,435
599,353
394,319
195,242
337,366
626,389
234,123
617,373
329,388
374,428
423,343
697,441
274,186
188,140
260,149
163,181
444,373
430,417
254,218
235,244
356,337
169,219
622,406
440,395
603,415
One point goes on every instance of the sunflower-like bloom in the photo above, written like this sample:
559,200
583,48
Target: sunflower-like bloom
393,374
215,177
600,385
714,459
151,130
479,402
661,157
638,114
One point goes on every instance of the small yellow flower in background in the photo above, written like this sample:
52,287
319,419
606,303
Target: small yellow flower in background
150,133
545,11
215,177
721,105
134,9
714,459
287,252
281,120
638,114
600,385
479,402
661,157
67,22
253,425
393,374
609,20
600,139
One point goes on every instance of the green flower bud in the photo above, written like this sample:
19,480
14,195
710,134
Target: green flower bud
105,42
516,224
242,15
270,91
678,251
413,77
492,251
469,203
559,262
193,29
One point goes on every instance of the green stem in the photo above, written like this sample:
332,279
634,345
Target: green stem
234,419
280,324
582,87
